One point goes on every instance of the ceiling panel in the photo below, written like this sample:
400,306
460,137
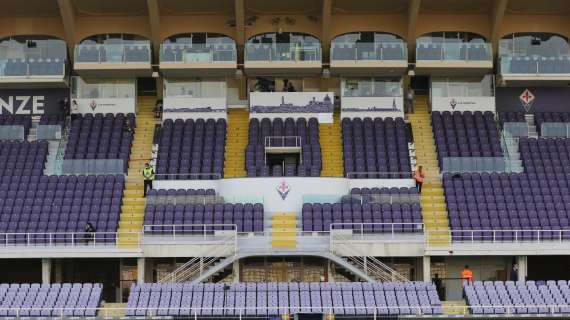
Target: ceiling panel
110,7
456,6
185,7
19,8
369,6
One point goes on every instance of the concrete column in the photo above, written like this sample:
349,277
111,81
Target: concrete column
426,268
522,261
46,271
58,271
236,271
140,270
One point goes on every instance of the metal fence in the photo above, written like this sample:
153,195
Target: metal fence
32,239
499,236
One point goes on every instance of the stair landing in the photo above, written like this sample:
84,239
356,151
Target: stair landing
284,230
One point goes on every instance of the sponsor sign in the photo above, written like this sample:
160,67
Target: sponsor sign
33,101
463,104
291,104
104,105
381,107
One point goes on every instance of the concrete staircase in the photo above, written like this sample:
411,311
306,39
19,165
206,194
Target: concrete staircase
284,230
532,132
454,307
112,310
432,200
236,142
132,210
331,147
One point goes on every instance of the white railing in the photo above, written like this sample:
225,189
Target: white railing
247,312
189,229
501,236
378,175
283,142
340,242
35,239
197,266
189,176
362,230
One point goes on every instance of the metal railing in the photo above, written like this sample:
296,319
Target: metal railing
138,52
453,51
197,53
34,239
188,176
282,52
375,313
189,229
197,266
523,64
501,236
340,242
32,68
360,230
283,142
368,51
379,175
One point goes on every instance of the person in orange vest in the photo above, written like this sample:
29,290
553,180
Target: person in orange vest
466,276
419,176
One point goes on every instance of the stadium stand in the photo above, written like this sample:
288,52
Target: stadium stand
45,300
64,204
283,133
22,159
508,204
466,134
190,217
100,137
191,149
267,299
376,148
528,298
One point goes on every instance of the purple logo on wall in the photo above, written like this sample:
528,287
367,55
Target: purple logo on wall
452,104
283,189
527,99
93,105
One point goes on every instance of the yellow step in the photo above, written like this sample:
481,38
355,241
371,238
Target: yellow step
284,244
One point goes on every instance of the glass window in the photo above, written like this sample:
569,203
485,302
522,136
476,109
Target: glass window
534,44
115,38
102,89
451,37
367,37
372,87
196,88
32,47
463,87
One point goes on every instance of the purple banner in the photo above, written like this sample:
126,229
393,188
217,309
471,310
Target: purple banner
532,99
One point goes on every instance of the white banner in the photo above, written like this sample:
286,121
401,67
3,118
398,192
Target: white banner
190,107
378,107
108,105
463,104
292,104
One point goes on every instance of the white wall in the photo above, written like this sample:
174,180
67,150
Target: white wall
463,104
266,188
365,107
104,105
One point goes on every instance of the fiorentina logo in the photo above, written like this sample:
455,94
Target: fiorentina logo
283,189
93,105
527,99
452,104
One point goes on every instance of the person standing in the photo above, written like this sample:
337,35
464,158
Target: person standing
148,175
466,276
514,276
410,99
419,177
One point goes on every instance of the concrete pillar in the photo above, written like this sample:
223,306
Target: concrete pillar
140,270
58,271
426,268
522,261
330,271
236,271
46,271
